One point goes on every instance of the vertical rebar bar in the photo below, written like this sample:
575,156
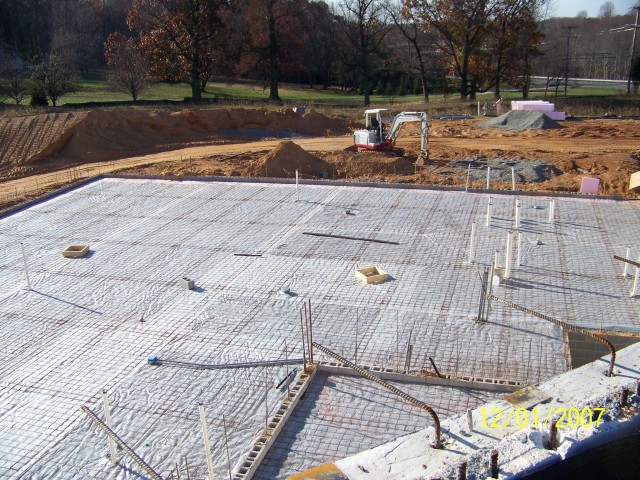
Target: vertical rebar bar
205,434
433,364
304,353
488,177
356,346
471,242
489,204
409,353
186,467
552,210
26,269
494,463
553,433
226,444
397,343
466,188
297,188
310,332
624,397
462,471
266,401
513,179
286,359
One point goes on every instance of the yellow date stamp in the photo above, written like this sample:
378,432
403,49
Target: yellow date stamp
572,417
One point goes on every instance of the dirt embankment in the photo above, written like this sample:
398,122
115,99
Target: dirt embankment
543,159
34,144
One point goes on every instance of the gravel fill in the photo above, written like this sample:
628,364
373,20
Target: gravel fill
522,120
525,170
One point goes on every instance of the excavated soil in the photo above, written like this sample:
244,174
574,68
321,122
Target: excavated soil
248,142
287,158
33,144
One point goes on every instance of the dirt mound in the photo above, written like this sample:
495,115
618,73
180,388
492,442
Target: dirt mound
285,159
522,120
101,135
32,137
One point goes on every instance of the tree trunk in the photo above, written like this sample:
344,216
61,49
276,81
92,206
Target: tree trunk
463,86
365,66
496,94
464,74
273,61
196,94
424,82
366,88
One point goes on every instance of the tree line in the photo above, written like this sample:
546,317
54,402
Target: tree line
381,46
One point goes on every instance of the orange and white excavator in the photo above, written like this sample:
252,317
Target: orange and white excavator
381,131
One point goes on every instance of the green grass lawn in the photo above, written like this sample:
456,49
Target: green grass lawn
98,90
95,89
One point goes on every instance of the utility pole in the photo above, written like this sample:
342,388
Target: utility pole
633,47
566,58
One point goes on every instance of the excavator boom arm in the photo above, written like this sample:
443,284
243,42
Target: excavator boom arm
405,117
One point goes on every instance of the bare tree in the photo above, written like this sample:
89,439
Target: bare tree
408,25
607,9
128,63
14,84
55,79
75,34
461,25
364,26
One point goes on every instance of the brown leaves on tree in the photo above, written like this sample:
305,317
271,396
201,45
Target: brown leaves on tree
180,37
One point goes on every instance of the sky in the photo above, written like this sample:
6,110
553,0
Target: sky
569,8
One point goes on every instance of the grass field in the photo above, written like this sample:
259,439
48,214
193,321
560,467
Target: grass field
95,90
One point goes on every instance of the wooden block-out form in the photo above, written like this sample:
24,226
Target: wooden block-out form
75,251
371,275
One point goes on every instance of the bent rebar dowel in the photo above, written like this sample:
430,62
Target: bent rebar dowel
566,326
153,475
415,402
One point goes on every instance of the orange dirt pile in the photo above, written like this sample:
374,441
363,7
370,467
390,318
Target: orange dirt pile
31,138
285,159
